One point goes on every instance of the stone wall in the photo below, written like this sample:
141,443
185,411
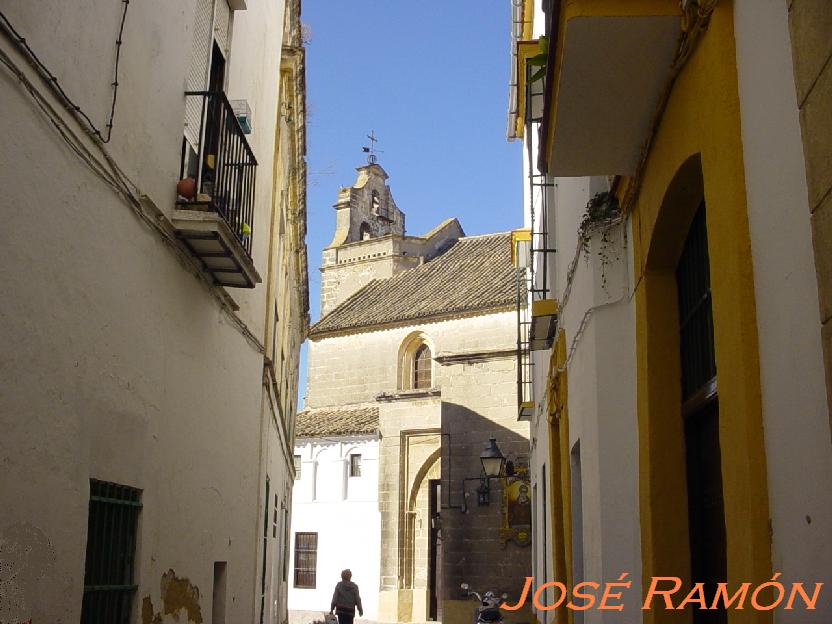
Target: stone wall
354,368
348,267
810,22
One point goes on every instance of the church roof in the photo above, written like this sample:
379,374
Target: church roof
475,273
332,421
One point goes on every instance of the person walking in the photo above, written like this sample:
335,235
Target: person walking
346,599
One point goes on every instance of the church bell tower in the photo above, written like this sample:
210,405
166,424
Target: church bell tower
369,228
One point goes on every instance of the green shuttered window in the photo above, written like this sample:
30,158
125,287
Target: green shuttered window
111,548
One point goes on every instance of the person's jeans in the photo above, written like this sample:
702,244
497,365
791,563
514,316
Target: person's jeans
345,618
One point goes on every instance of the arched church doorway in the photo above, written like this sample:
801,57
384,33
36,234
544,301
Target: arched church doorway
422,555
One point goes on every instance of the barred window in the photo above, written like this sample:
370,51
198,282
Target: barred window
306,560
298,465
421,367
355,465
111,548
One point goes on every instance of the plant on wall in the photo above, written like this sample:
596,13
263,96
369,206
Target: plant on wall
602,213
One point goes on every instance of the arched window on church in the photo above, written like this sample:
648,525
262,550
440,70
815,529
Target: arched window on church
422,367
365,232
415,368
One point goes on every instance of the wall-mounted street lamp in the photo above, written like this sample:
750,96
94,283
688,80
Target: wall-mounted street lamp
493,462
492,459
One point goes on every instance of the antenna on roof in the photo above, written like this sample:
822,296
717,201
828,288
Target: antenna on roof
371,150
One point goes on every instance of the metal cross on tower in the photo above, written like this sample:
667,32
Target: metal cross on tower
371,150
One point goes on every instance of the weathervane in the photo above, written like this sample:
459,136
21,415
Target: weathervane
371,149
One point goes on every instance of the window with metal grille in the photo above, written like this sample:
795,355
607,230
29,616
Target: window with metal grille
696,324
306,560
700,408
298,464
355,465
111,548
421,367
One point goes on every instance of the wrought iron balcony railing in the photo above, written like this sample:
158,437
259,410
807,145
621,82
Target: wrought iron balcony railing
221,164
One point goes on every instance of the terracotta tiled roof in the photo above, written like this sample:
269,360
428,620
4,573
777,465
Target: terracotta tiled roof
475,273
325,421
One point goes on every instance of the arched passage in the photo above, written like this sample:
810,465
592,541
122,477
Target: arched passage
417,551
703,500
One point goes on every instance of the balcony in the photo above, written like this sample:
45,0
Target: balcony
543,324
214,214
525,365
609,62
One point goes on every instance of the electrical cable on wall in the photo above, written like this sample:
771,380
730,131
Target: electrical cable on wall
52,80
115,178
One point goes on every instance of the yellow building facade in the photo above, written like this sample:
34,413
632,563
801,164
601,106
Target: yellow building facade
689,112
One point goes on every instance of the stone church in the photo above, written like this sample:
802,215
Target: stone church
412,370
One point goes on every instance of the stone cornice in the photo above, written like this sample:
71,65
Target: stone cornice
475,356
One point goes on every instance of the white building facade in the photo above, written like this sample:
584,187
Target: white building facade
335,511
155,307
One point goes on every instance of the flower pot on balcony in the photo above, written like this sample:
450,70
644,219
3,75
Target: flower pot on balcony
186,187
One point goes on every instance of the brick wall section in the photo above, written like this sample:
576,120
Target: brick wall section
810,22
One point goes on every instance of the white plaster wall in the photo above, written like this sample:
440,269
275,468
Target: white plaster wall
344,512
355,368
254,75
116,363
278,533
797,437
599,323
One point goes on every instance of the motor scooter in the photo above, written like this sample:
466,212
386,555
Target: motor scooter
488,611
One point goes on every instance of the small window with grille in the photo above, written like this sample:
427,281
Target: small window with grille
298,464
355,465
111,548
421,367
306,560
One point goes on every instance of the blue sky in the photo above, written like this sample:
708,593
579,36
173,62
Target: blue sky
431,79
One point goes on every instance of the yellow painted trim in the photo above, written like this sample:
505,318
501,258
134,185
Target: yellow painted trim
528,19
544,307
525,50
522,234
701,125
571,9
559,474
